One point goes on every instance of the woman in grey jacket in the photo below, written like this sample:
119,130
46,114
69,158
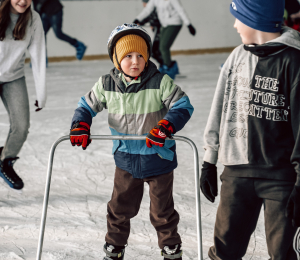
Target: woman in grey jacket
20,30
171,15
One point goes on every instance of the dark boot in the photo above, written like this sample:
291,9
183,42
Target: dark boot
172,71
113,252
80,50
8,173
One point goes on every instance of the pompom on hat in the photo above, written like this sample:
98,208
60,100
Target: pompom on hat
129,43
262,15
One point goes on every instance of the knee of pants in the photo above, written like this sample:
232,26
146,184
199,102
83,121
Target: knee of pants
20,130
58,33
164,219
163,47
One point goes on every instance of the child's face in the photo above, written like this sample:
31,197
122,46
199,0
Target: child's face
247,33
133,64
19,6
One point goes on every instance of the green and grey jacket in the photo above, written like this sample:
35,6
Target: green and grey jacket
135,109
254,123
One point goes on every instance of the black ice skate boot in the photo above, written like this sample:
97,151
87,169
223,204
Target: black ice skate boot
172,252
8,173
113,252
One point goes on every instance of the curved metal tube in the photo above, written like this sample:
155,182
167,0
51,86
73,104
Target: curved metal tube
121,137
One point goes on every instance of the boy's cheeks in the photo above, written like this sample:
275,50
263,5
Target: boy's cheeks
247,33
133,64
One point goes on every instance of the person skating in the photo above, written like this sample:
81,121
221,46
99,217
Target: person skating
152,19
293,9
20,30
254,130
292,14
51,12
137,97
171,16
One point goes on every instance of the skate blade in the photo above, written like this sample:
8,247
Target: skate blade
5,185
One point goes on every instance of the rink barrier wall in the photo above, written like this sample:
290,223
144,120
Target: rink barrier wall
121,137
173,53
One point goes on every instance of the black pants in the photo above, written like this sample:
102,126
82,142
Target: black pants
240,204
156,54
55,21
167,37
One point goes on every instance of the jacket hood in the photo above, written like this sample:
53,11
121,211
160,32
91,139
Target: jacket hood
289,38
148,73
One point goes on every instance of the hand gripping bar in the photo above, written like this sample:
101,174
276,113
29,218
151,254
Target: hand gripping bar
121,137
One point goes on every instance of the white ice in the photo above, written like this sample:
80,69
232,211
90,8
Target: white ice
82,181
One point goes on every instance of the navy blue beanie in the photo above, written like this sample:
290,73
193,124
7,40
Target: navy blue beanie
262,15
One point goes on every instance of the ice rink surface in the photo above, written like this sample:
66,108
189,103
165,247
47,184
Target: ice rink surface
82,181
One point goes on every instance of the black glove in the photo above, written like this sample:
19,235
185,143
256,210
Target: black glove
209,181
37,105
136,21
192,29
293,207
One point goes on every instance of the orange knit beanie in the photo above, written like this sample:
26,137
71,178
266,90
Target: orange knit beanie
127,44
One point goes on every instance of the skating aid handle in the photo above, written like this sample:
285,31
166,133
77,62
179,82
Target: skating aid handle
121,137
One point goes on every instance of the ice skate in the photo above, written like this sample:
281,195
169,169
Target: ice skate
174,67
80,50
113,252
8,174
172,252
172,71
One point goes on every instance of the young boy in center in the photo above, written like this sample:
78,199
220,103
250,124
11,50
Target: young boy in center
137,97
254,130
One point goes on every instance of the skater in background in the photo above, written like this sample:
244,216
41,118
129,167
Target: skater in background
293,9
21,29
51,12
137,97
155,26
254,130
171,16
292,14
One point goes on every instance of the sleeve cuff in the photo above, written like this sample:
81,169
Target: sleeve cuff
211,156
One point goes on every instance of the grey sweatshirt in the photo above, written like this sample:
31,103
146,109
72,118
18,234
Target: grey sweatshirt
170,12
12,55
254,122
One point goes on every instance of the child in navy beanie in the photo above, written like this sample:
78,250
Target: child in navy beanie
262,15
253,129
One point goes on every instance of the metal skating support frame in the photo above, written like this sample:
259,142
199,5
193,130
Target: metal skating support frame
116,137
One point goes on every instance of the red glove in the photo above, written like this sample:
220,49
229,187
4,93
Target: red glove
159,133
80,134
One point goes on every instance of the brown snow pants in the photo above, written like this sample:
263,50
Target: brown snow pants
240,204
125,204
